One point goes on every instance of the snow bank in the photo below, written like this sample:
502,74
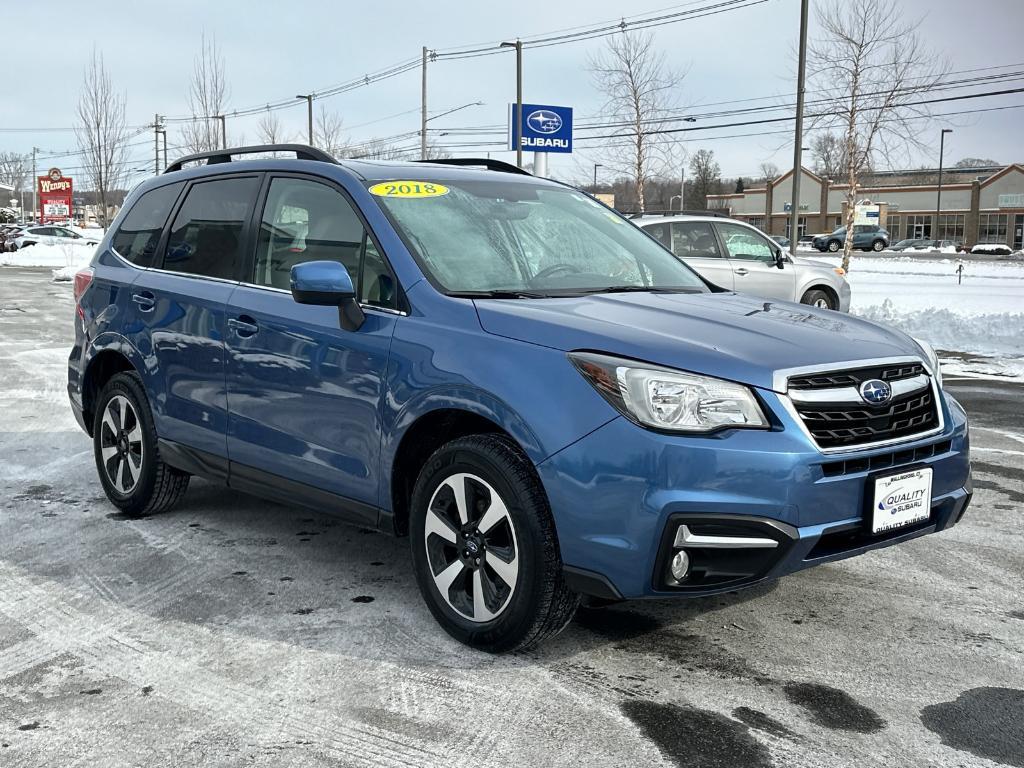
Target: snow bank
49,256
998,248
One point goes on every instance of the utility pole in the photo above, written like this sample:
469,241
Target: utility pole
518,117
938,196
798,138
309,114
596,166
156,145
423,109
164,133
682,188
223,130
35,187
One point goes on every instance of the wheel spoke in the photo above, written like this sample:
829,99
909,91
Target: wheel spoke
480,610
135,436
132,469
108,421
494,515
436,524
124,474
507,571
447,577
117,416
108,453
458,486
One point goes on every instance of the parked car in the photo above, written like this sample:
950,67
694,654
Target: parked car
51,235
739,257
546,401
910,243
12,234
866,237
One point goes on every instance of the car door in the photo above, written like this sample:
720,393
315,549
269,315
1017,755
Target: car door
304,395
752,258
179,309
695,244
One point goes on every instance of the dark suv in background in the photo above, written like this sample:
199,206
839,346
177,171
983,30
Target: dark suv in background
866,237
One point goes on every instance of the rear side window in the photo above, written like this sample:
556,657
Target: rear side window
694,240
137,237
206,236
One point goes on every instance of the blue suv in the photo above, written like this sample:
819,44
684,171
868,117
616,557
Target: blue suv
543,398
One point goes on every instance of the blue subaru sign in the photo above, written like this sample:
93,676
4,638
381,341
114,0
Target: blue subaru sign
543,128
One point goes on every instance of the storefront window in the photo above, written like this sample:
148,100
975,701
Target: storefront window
992,228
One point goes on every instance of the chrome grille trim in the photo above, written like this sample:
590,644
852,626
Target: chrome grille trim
851,395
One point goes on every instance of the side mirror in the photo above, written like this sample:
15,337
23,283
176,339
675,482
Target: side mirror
780,259
327,283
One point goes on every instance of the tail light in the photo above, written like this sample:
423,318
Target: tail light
82,279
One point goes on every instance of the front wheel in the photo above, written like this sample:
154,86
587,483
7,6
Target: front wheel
833,245
818,298
484,547
878,245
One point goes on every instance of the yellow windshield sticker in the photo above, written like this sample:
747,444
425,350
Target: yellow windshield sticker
408,189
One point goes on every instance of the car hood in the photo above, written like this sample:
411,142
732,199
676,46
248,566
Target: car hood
731,336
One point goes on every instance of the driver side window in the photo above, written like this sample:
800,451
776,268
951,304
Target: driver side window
745,244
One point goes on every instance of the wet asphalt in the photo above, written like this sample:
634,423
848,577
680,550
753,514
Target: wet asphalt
235,632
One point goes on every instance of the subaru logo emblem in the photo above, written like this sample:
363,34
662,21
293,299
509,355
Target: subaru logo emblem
544,121
875,392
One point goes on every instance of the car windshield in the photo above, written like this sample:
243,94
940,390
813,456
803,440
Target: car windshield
519,239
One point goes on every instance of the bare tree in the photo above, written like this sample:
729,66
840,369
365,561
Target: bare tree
102,132
870,68
971,162
377,149
769,171
207,98
328,132
269,130
640,89
15,169
827,155
705,179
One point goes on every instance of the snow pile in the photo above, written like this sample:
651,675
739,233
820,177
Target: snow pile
40,255
998,248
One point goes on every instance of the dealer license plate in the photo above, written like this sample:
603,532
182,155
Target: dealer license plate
901,499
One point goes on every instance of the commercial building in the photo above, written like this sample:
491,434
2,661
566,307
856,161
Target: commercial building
978,205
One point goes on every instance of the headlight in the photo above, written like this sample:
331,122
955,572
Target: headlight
661,398
933,359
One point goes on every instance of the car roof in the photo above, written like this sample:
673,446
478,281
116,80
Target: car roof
640,220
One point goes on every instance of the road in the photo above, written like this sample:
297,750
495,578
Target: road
234,632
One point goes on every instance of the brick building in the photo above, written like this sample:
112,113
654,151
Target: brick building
979,205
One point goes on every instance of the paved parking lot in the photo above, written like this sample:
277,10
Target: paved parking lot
235,632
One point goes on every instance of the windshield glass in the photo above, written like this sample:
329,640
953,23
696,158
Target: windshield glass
515,238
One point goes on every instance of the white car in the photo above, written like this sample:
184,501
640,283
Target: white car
51,235
736,256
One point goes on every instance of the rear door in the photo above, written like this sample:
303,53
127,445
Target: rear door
304,394
178,307
752,258
695,243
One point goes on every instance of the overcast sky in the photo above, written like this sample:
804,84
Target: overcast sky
274,51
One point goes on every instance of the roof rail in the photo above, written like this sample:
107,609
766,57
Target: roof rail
709,212
302,152
486,162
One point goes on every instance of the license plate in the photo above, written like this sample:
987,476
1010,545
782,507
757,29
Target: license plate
901,499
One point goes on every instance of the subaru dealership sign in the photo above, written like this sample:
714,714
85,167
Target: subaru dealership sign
543,128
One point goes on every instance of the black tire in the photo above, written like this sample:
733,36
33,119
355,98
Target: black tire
540,604
878,245
158,486
815,297
834,246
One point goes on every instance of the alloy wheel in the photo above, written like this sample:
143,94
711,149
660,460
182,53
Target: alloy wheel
121,446
821,303
471,547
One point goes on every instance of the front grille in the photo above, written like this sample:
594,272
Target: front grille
853,378
885,460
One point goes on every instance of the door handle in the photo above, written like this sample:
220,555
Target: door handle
145,300
742,271
243,326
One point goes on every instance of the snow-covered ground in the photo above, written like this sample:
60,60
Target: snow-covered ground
979,322
70,255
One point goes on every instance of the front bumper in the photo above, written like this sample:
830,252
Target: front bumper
621,492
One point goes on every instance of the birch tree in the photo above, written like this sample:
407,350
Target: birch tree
102,132
640,92
208,95
871,70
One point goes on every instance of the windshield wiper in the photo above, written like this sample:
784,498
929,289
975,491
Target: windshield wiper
499,294
635,289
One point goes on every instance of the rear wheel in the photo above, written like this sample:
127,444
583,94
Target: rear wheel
134,477
818,298
484,547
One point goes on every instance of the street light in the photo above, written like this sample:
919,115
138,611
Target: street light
309,113
517,125
673,198
938,196
450,111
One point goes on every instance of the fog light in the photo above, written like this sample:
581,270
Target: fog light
680,565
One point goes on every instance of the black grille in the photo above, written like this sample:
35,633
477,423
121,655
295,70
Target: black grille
885,460
853,378
839,426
